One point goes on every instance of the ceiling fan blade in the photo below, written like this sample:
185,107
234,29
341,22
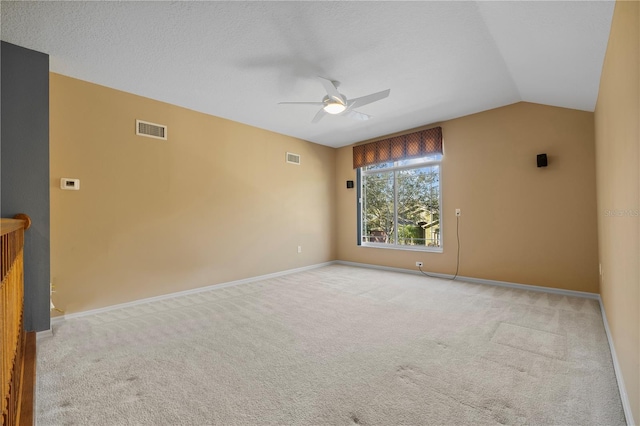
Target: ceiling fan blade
331,89
364,100
319,116
300,103
357,115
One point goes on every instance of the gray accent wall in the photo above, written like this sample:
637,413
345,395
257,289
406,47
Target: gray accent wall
24,168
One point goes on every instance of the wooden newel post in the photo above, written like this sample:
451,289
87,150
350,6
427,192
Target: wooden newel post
24,217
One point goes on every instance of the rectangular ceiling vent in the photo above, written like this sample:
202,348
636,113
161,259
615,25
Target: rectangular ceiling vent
293,158
151,130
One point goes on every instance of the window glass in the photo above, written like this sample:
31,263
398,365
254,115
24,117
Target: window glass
401,204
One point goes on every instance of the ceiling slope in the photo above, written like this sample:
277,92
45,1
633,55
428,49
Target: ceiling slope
237,60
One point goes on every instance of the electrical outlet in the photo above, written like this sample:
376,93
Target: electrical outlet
458,212
419,264
299,249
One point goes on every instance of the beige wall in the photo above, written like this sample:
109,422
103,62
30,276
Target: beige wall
617,122
216,202
519,223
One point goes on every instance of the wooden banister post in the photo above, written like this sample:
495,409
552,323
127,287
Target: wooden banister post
24,217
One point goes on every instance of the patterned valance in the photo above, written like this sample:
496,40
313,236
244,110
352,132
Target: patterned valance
412,145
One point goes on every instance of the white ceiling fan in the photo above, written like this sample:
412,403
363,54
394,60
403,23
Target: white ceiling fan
336,103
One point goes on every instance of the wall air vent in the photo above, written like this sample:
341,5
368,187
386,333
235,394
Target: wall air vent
293,158
151,130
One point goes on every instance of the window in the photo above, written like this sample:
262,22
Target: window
400,204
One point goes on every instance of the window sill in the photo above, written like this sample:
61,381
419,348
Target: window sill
405,248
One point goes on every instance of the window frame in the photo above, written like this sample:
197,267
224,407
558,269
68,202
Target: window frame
360,174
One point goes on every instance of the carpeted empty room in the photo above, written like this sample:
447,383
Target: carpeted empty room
337,345
320,213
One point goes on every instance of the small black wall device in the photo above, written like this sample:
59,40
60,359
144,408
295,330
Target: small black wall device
349,184
542,160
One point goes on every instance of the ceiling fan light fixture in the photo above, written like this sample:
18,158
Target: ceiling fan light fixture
335,102
334,108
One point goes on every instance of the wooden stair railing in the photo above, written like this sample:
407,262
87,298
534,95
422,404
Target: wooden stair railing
17,366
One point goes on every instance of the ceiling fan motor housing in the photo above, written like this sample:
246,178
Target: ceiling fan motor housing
332,100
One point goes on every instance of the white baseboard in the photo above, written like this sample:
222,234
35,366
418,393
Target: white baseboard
56,320
479,280
626,405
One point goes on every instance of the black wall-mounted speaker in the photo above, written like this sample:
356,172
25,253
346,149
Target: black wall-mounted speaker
349,184
542,160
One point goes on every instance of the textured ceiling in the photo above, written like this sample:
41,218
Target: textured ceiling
237,60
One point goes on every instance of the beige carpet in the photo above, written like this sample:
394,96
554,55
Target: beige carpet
337,345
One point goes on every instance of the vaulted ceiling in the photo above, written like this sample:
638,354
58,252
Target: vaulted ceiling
237,60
